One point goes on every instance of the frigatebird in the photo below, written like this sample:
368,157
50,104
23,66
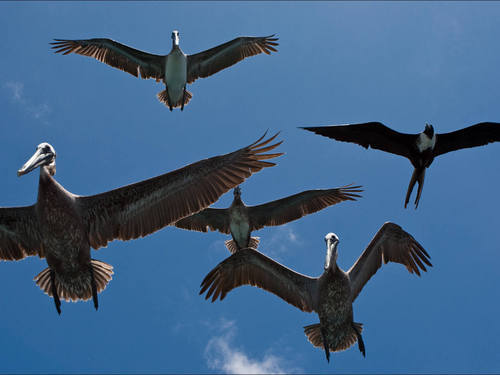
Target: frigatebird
420,148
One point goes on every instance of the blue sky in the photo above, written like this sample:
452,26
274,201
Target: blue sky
403,64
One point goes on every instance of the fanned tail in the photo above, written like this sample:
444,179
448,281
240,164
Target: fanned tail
163,97
343,341
79,287
233,247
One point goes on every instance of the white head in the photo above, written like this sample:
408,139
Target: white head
332,241
44,156
175,38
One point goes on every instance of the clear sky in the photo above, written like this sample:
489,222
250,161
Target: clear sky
403,64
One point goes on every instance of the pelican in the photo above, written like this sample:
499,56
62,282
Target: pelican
420,148
240,220
330,295
175,69
62,226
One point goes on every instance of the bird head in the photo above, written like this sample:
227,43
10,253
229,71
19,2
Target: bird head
237,192
175,37
44,156
332,241
429,130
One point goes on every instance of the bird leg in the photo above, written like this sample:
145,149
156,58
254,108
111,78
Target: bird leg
361,344
183,98
325,345
54,291
168,98
94,287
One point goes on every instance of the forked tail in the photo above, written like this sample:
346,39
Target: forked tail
417,176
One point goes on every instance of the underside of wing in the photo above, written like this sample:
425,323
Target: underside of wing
117,55
476,135
287,209
19,233
211,61
390,244
207,219
142,208
250,267
371,134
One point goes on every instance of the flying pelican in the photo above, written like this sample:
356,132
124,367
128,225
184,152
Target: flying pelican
330,295
62,226
240,220
175,69
420,148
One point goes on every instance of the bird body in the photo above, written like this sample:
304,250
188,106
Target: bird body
62,226
420,149
330,295
240,220
176,69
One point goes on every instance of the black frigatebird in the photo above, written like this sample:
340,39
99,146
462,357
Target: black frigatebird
420,148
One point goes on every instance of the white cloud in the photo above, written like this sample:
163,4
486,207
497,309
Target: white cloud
38,111
280,241
222,354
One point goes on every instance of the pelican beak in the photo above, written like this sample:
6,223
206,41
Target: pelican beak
331,251
39,158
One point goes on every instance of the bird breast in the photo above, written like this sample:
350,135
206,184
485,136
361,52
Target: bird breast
176,73
424,142
239,225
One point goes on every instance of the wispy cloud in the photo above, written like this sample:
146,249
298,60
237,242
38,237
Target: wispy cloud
37,111
280,241
222,354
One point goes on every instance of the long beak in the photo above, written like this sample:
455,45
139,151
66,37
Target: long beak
330,250
38,158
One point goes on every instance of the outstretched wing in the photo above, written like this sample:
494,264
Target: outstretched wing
139,209
19,233
390,244
250,267
472,136
291,208
209,218
115,54
212,60
370,134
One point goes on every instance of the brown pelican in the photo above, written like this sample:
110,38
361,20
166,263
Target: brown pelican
62,226
175,69
420,148
241,220
330,295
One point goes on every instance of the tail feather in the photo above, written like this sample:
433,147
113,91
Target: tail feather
344,340
76,288
163,97
417,176
233,247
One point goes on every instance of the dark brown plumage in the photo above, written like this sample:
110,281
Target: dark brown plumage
330,295
240,220
63,226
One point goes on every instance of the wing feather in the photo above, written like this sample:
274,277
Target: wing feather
19,233
208,219
250,267
291,208
370,134
142,208
390,244
117,55
476,135
206,63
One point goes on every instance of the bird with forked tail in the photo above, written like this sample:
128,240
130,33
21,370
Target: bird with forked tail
420,149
